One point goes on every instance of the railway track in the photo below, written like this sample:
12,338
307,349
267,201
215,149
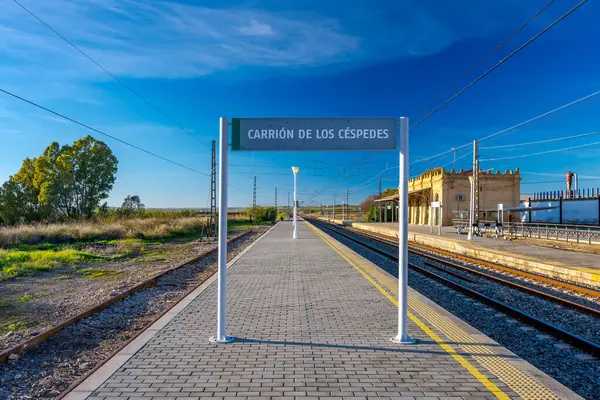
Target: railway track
53,365
546,296
546,327
419,249
47,334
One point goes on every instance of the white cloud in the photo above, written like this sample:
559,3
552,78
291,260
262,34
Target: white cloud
159,39
255,28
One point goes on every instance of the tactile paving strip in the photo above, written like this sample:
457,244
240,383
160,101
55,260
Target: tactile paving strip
522,384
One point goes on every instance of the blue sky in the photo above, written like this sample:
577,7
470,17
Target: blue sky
199,60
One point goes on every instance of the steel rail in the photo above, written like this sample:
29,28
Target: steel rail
576,340
546,296
510,270
45,335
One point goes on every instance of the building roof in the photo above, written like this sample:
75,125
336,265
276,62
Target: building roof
393,197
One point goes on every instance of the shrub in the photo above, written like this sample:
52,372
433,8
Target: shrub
281,216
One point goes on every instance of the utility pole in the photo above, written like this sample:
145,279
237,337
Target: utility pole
288,202
453,162
379,207
346,205
334,207
474,195
212,226
254,199
276,208
476,177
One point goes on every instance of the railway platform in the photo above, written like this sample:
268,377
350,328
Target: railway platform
312,320
554,262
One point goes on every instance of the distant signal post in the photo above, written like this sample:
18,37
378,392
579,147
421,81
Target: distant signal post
315,134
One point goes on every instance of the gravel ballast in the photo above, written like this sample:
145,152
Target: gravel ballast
50,368
569,366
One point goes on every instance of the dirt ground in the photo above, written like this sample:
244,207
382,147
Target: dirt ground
30,305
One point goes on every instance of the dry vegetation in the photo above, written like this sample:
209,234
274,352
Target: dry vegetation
87,231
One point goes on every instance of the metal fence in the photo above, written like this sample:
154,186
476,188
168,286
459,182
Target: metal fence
572,233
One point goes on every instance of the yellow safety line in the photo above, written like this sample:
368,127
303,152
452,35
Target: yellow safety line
460,359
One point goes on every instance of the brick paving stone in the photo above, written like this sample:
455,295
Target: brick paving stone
308,326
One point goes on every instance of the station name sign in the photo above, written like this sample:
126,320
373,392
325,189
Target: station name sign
313,134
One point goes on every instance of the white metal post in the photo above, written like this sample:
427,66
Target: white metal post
221,336
440,220
295,170
471,207
430,220
402,336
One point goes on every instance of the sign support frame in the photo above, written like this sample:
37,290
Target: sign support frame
221,336
402,337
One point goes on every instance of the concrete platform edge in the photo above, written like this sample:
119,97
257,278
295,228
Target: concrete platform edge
543,378
529,264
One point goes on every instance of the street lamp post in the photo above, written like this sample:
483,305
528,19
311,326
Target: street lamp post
471,207
295,170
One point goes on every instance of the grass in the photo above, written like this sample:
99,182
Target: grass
26,250
53,236
240,226
25,298
15,326
98,273
15,263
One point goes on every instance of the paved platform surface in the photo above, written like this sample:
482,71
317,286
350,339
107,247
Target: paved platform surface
313,321
585,266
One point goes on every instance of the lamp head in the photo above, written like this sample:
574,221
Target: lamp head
295,169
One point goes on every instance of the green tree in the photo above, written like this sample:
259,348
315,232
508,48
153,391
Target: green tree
132,204
389,192
19,196
73,180
262,214
64,182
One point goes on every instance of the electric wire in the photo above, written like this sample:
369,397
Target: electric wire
514,127
541,152
499,47
502,61
540,141
110,136
109,73
100,132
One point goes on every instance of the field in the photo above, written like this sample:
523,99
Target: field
52,271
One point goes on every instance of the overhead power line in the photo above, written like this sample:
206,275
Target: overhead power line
109,73
499,47
111,136
550,174
561,181
541,152
512,128
100,132
540,141
502,61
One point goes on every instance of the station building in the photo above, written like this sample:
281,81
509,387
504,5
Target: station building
452,190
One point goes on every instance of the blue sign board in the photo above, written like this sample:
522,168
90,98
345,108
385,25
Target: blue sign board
313,134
